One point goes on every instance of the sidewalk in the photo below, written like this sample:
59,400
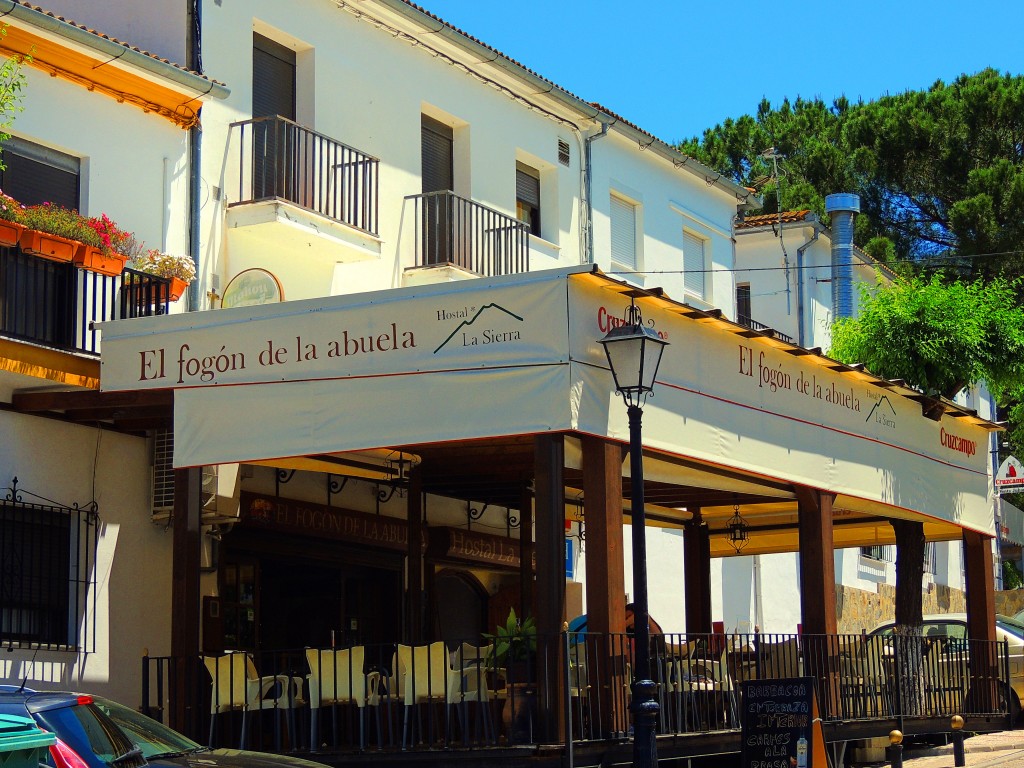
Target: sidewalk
1004,748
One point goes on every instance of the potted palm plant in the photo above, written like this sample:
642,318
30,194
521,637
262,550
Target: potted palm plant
515,650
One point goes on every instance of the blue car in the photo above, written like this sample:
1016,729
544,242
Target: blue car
93,732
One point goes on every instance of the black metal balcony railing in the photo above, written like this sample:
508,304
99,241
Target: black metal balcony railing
453,230
53,304
143,294
281,159
460,694
754,325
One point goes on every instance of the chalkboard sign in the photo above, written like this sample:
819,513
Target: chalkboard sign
778,723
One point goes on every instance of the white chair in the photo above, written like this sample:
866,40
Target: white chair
337,677
468,683
237,686
427,678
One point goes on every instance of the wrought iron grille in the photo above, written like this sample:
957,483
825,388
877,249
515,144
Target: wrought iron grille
281,159
47,572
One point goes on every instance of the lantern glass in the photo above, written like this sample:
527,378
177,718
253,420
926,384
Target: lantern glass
634,354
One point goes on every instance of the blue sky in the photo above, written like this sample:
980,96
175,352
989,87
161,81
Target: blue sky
676,68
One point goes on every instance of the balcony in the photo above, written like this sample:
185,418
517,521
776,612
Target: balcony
465,238
53,304
753,325
299,194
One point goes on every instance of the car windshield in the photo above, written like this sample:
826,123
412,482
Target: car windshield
1012,625
153,738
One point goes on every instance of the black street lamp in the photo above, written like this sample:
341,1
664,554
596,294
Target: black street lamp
634,352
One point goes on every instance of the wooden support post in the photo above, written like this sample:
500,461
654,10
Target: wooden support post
697,585
549,497
981,621
818,594
185,602
414,579
606,582
526,550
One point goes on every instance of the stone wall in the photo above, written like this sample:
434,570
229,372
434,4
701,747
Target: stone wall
1010,602
858,610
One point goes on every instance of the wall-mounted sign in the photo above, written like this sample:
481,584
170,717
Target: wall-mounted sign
250,287
465,546
1010,476
303,517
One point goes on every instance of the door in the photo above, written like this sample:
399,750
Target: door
437,142
273,142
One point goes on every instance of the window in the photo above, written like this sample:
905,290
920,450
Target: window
528,197
47,562
880,552
693,264
743,313
36,174
623,223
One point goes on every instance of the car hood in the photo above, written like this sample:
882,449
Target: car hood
235,758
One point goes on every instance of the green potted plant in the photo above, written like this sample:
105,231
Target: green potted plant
514,650
180,270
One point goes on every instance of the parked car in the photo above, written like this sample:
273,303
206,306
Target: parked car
947,627
93,732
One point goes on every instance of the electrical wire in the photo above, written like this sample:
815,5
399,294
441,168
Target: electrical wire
929,261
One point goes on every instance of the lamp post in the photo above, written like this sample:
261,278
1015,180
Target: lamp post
634,352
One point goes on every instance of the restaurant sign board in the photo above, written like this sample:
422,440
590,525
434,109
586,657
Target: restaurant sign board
303,517
777,723
1010,477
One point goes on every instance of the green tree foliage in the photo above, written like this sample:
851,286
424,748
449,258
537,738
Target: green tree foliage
12,86
940,172
939,335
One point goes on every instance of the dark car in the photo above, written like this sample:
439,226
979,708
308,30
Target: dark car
93,732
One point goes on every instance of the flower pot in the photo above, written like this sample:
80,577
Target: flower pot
177,288
10,233
47,246
93,259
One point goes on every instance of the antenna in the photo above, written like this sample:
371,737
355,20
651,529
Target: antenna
773,154
24,680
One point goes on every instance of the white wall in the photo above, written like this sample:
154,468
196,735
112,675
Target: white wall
72,464
133,163
157,26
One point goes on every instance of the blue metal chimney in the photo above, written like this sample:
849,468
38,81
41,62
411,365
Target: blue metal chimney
842,207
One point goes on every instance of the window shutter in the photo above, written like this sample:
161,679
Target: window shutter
437,153
37,175
527,185
693,264
273,79
623,220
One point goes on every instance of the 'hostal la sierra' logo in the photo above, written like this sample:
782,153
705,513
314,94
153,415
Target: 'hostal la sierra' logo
471,333
882,412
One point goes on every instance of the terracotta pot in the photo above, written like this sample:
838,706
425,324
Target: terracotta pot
93,259
178,287
10,233
47,246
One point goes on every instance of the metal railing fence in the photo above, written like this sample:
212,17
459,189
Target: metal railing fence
453,230
574,687
277,158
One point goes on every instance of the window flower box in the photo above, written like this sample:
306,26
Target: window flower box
10,233
95,260
47,246
177,288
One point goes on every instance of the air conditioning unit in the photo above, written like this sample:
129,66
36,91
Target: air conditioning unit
220,484
163,473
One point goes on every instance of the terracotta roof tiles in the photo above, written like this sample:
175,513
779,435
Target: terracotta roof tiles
767,219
